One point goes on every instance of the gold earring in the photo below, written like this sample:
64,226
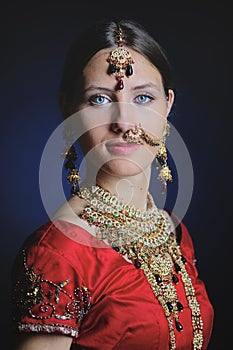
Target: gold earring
70,155
161,157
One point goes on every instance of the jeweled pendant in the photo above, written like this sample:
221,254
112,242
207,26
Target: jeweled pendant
177,267
73,190
129,70
158,278
137,264
175,279
111,68
120,85
179,306
179,326
169,305
117,249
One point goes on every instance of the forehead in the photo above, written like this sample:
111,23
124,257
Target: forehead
143,69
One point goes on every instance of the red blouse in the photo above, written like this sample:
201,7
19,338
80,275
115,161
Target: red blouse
66,281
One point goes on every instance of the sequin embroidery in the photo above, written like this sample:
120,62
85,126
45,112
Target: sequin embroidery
41,299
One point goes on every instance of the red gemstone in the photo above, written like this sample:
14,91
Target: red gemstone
120,85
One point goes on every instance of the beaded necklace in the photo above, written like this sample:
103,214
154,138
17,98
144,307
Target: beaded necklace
146,239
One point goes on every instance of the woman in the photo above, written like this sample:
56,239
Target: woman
110,270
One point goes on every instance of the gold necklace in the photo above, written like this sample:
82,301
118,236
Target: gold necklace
146,239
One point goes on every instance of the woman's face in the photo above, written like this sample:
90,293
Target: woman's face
106,114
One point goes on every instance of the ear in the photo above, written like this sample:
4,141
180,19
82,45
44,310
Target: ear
170,100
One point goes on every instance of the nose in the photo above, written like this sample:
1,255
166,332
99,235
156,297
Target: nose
122,118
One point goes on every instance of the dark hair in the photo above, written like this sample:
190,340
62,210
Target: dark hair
103,35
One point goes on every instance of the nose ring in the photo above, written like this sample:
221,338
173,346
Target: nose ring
138,136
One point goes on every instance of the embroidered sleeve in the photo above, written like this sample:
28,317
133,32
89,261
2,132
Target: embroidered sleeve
49,297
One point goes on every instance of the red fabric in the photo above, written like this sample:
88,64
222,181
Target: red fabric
124,313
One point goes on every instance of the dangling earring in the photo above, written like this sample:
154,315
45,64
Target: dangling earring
70,155
161,158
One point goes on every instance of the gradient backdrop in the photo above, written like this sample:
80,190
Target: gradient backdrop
198,41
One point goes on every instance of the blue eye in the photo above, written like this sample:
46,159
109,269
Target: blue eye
99,100
143,99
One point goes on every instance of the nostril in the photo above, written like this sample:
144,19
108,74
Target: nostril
121,127
116,129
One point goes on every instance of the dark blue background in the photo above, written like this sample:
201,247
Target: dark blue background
198,41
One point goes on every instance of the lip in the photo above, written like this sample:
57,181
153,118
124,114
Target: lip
122,147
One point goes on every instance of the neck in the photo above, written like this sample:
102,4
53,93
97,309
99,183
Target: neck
132,190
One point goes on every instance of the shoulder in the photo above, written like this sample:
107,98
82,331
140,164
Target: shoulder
58,250
62,238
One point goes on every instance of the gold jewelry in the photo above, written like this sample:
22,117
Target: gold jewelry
120,61
138,135
70,155
165,174
145,237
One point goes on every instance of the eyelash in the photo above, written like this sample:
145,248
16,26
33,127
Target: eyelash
145,95
93,99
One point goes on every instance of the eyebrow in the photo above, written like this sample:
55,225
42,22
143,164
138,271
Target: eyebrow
139,87
95,87
149,85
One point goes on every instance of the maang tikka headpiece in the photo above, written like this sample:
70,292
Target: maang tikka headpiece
120,61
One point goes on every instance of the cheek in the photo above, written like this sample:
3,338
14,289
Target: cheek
155,128
153,120
158,128
90,139
86,142
95,117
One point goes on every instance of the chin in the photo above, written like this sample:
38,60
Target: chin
122,168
